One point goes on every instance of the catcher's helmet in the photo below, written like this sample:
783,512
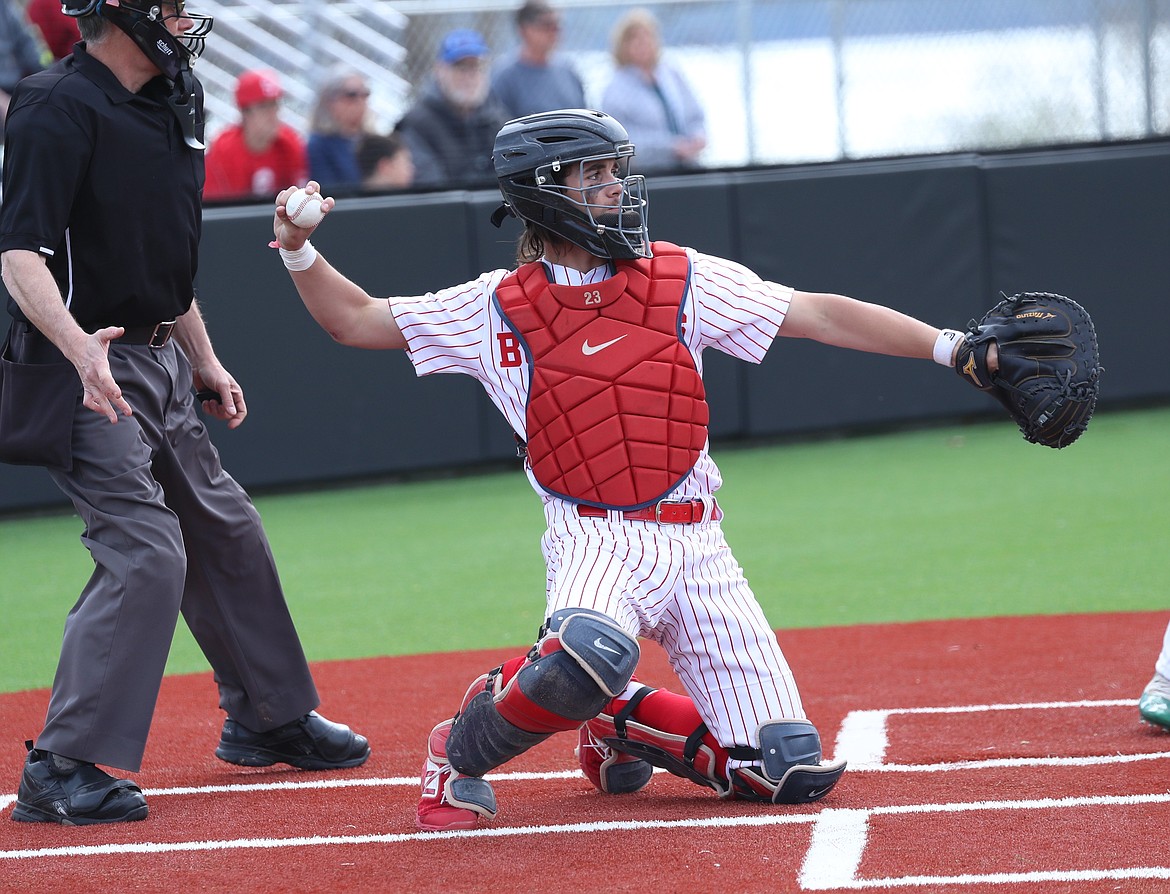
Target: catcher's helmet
531,155
145,22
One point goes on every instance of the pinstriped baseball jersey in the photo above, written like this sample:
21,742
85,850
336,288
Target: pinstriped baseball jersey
678,585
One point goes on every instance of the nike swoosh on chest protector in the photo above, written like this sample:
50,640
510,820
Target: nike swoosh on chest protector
589,350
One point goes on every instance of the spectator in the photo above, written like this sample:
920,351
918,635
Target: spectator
261,154
533,80
452,126
385,162
652,98
339,120
20,54
58,30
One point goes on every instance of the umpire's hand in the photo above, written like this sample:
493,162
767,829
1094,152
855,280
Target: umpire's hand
102,394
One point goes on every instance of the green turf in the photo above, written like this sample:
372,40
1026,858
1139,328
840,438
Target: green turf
955,522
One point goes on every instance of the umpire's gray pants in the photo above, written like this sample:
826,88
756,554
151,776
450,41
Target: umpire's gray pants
169,530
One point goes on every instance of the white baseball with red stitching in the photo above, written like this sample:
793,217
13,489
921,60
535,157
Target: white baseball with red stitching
304,209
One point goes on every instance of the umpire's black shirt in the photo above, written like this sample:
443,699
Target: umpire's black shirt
99,181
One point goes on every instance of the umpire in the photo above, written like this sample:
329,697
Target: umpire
99,237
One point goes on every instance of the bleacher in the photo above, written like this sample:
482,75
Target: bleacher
302,41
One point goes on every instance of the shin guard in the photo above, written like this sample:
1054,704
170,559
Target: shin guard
664,729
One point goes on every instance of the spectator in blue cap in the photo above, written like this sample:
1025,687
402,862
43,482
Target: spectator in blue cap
462,43
453,123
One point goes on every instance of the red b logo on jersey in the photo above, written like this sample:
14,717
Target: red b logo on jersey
510,355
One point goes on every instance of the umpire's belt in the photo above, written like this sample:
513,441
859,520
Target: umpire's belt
154,336
668,512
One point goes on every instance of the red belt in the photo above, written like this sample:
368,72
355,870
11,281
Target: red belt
678,512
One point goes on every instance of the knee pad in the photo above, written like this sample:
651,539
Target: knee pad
581,661
603,650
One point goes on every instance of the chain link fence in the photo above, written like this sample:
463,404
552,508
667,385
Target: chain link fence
781,81
817,80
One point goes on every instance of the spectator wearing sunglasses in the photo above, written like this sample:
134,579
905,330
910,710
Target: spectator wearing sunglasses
339,121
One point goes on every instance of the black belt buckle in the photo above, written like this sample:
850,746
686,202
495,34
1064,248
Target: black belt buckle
162,334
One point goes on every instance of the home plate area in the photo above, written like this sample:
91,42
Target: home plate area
997,755
957,783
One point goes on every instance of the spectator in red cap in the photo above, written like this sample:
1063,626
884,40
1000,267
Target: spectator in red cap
261,155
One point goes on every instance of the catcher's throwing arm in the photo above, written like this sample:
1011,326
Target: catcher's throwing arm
1049,369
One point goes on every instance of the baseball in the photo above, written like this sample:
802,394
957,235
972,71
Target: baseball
304,209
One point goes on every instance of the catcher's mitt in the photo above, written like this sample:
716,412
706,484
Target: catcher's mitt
1049,369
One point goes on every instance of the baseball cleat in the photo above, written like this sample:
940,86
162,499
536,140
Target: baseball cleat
56,789
1154,704
309,743
450,800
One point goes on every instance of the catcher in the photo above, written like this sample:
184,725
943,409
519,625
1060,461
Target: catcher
592,348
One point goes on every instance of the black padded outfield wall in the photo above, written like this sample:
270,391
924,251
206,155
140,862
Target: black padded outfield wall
936,237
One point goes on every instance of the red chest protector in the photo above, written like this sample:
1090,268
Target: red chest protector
617,414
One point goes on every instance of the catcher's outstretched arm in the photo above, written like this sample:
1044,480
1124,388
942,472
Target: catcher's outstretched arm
848,323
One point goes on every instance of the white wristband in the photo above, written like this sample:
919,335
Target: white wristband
944,346
299,259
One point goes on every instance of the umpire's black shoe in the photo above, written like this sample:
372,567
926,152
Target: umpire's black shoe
56,789
310,743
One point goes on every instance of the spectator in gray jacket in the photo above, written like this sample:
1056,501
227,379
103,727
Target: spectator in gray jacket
452,126
534,79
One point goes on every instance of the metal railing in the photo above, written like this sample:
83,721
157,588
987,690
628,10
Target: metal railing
303,41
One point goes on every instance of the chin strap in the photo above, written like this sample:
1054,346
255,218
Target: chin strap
505,210
184,108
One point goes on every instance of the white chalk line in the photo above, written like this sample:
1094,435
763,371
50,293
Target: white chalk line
393,781
934,882
835,817
864,735
369,782
146,847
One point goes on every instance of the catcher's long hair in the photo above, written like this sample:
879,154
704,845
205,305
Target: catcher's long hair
531,244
